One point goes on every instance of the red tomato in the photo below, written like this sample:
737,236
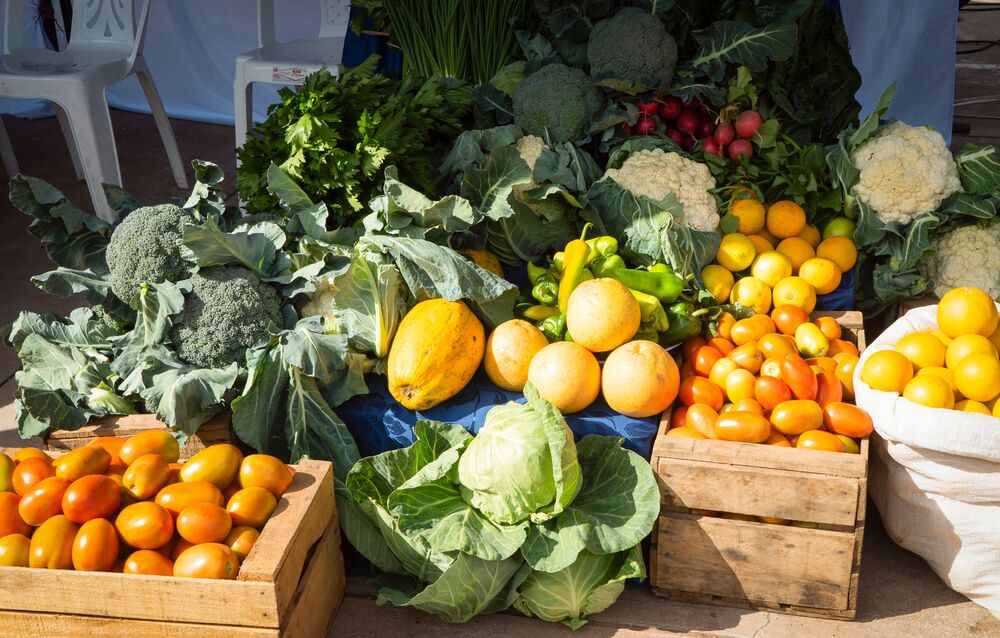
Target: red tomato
847,419
95,547
676,417
723,345
838,346
770,392
777,439
748,357
751,329
30,471
689,347
828,388
43,501
90,497
799,377
829,327
788,318
10,519
700,390
149,563
704,358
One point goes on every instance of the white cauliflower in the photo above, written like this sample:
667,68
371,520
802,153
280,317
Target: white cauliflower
530,147
906,171
966,256
657,173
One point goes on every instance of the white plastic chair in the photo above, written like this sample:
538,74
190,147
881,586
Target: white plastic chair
105,47
276,62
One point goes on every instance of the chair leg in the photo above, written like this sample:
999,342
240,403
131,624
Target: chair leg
67,132
7,152
242,109
162,123
90,122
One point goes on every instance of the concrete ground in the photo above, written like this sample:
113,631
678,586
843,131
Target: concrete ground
899,595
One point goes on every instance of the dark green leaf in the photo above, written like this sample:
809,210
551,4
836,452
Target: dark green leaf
258,413
979,169
731,42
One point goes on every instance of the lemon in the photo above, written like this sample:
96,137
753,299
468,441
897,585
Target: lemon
966,346
839,227
977,377
937,371
996,409
822,274
785,219
923,349
943,338
995,338
888,371
968,405
736,252
718,281
811,234
964,311
795,291
752,293
839,250
750,212
771,267
797,250
761,243
930,391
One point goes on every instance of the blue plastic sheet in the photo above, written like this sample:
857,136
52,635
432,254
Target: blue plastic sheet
843,297
379,423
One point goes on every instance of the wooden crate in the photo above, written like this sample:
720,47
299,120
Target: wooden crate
711,547
289,586
215,430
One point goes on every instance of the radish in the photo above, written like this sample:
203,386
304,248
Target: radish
671,108
747,124
705,129
626,129
710,146
648,108
688,122
724,133
740,148
677,137
645,126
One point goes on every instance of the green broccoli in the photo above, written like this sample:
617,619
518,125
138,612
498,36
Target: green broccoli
228,310
146,247
558,103
632,52
114,314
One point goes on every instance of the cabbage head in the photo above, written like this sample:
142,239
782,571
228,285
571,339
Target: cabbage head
522,464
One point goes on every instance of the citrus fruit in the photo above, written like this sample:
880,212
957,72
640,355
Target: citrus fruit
795,291
752,293
750,212
977,377
771,267
945,339
943,373
718,281
602,314
509,351
785,219
736,252
887,370
975,407
930,391
839,227
923,350
761,243
965,346
964,311
822,274
811,234
839,250
797,250
566,375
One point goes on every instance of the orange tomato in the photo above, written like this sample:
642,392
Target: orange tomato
150,442
799,377
229,491
828,388
26,453
682,432
725,325
174,476
720,371
52,544
148,563
93,496
776,346
179,547
15,550
241,540
847,419
699,390
748,357
701,418
739,385
686,370
742,426
850,445
725,346
251,507
797,416
29,472
218,464
95,547
838,346
748,405
89,459
778,439
704,358
823,363
676,421
178,496
209,560
751,329
689,347
787,318
205,522
771,367
113,446
145,525
43,501
146,476
771,392
820,441
829,327
845,374
10,519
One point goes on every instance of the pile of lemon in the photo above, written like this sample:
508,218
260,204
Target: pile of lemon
777,258
953,367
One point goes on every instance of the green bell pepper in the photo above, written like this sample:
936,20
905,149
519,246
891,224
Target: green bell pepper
651,310
559,262
647,332
554,327
665,286
659,267
546,290
603,246
683,323
536,272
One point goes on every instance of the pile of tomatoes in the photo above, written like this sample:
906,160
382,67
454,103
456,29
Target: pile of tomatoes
127,505
775,379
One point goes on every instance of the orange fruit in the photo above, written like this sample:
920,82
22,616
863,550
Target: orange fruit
821,274
839,250
750,213
795,291
887,370
811,234
797,250
785,218
977,377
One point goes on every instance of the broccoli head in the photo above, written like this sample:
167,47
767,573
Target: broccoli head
228,310
557,102
632,52
146,247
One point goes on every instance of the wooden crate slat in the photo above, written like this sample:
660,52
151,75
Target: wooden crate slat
323,585
71,626
757,562
761,456
759,492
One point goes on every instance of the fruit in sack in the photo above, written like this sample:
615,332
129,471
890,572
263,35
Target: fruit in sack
602,314
438,347
966,346
930,391
965,311
566,375
640,379
977,377
887,370
509,351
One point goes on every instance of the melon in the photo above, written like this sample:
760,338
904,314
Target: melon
566,375
640,379
509,351
602,314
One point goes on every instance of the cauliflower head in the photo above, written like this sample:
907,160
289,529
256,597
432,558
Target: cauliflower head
530,148
228,310
656,173
632,46
557,101
966,256
146,247
905,171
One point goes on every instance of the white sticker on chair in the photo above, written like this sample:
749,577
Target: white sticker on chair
288,74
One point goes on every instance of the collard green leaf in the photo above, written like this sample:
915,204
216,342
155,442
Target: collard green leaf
258,413
314,429
81,331
968,205
490,186
256,251
191,396
38,410
365,536
472,147
979,169
566,165
732,42
207,201
64,282
872,121
526,236
309,348
157,303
